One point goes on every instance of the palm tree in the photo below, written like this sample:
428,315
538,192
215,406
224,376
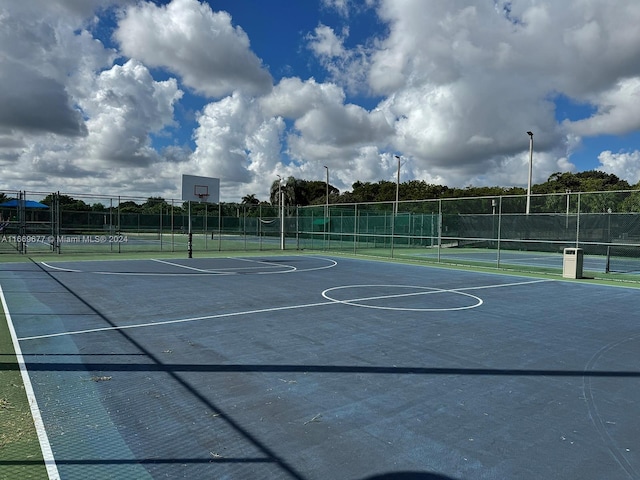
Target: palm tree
250,199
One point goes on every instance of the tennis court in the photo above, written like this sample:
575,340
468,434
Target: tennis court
317,367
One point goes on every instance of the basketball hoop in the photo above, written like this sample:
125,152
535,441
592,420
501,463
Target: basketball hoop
202,192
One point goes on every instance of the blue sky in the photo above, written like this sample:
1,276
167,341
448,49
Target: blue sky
124,96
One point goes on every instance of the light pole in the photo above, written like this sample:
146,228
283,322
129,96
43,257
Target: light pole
530,170
397,187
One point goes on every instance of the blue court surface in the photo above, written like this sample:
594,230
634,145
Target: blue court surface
312,367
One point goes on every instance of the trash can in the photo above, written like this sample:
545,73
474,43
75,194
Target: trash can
572,263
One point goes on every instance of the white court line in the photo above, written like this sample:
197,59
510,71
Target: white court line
248,312
180,320
499,285
226,270
45,446
262,262
181,266
60,268
214,271
332,263
430,291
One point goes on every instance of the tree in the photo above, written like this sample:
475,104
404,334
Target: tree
631,203
66,203
301,192
250,200
155,205
365,192
589,181
129,207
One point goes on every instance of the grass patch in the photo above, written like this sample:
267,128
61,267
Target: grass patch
20,454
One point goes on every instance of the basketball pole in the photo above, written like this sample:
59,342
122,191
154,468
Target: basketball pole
190,235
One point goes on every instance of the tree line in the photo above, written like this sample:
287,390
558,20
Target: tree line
304,192
299,192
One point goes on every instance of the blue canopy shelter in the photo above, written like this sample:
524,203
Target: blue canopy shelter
14,203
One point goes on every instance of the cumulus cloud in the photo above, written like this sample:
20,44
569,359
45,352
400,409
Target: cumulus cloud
189,39
32,102
325,129
221,139
40,51
466,80
125,107
617,112
345,66
452,87
293,97
625,165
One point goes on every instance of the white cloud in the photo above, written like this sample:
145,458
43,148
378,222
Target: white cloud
340,6
617,114
221,139
43,55
189,39
451,86
465,80
125,107
325,43
625,165
345,66
293,98
326,131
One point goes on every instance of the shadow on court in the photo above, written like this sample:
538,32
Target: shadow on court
409,476
199,368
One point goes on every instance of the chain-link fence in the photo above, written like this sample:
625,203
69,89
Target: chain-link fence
491,231
36,223
485,231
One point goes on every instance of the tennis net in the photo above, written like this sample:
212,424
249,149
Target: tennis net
623,259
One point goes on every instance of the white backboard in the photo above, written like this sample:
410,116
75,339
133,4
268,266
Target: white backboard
200,189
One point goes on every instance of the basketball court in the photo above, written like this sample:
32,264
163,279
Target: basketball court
317,367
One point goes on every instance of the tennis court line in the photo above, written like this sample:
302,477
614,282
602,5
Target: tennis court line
251,312
43,439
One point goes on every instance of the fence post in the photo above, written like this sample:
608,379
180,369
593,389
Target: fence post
578,223
355,228
439,227
499,231
173,228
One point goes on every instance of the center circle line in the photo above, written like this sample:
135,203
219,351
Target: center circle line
356,302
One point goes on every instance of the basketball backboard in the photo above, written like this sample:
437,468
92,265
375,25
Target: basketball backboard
200,189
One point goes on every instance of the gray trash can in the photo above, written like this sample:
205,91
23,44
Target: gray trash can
572,263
